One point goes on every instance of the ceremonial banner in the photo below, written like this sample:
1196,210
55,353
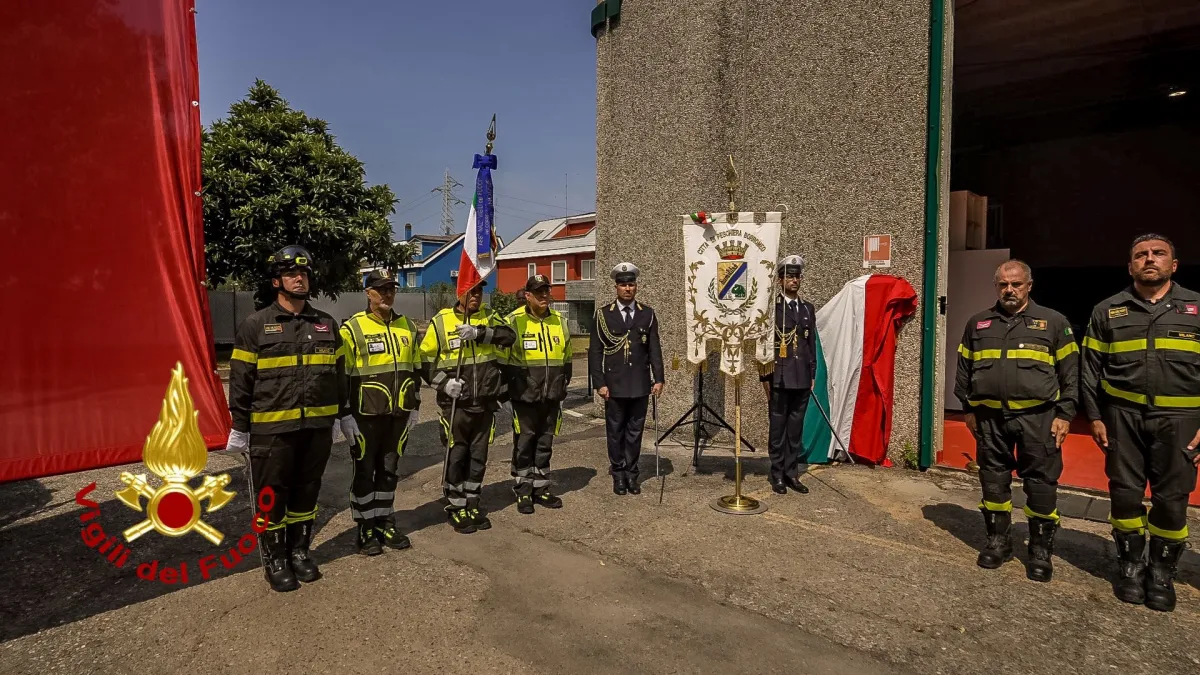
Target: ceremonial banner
730,276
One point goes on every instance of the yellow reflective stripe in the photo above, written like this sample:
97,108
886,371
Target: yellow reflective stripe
1031,354
1175,535
1120,393
996,506
1093,344
1128,524
1177,401
276,362
558,424
275,416
1030,513
1029,403
403,440
986,402
1066,351
243,355
1177,344
321,411
981,354
292,517
1127,346
320,359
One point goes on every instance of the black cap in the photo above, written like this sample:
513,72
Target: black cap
380,279
536,282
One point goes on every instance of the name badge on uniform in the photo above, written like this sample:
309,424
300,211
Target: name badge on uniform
455,343
1037,324
1034,347
1117,312
529,344
270,328
376,347
1183,335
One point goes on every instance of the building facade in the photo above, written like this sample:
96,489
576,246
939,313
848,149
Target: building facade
436,260
563,249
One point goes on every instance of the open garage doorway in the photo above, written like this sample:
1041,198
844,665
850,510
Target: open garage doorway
1076,126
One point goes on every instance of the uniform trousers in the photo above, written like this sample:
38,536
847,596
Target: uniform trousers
1149,448
472,431
534,427
376,456
291,464
1038,460
624,420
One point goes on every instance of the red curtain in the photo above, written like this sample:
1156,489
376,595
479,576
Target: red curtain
102,252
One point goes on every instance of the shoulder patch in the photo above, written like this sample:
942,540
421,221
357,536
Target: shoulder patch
321,327
983,324
1067,331
1117,312
270,328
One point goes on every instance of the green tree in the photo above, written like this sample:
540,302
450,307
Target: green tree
274,176
504,303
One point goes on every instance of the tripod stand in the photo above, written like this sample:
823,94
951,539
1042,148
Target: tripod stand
695,415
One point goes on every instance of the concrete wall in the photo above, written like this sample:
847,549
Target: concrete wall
823,106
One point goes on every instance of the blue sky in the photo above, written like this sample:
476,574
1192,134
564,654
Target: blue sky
409,88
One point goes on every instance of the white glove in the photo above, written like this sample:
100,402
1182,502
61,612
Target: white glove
468,332
350,430
453,387
238,441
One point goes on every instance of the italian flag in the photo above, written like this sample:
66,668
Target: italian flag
480,243
856,353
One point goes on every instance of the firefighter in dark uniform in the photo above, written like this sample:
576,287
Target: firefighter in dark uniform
538,372
466,346
384,366
286,391
1018,381
789,385
1141,392
626,367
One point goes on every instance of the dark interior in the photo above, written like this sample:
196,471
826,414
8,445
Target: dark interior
1080,121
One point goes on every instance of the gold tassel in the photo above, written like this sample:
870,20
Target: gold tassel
783,347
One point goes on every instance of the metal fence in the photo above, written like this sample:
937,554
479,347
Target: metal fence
229,308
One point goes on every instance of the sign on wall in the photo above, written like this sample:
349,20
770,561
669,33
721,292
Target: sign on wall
877,250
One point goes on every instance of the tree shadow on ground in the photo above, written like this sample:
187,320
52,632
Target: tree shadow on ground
1086,551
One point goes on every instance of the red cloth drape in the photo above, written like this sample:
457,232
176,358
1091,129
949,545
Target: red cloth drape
889,301
102,254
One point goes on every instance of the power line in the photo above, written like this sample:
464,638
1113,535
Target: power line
449,201
534,213
419,201
529,201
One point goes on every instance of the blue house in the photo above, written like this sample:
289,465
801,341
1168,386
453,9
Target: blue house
437,259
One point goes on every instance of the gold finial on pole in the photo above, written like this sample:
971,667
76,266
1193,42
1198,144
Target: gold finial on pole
731,185
491,135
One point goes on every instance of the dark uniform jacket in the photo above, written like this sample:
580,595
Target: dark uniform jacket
539,362
383,363
627,361
797,330
1143,356
481,362
1018,363
286,372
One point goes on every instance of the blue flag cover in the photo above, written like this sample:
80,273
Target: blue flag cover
484,210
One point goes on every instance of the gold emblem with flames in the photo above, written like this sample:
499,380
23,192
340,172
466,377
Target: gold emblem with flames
175,452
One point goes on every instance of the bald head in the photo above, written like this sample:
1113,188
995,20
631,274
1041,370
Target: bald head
1013,281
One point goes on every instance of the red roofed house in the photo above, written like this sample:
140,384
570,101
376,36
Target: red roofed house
563,249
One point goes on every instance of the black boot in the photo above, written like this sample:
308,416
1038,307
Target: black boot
524,504
478,515
548,500
1130,587
461,520
1041,548
631,483
999,548
275,561
619,487
389,535
299,538
367,542
1160,582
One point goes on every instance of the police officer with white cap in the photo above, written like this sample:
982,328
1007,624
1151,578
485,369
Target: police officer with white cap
626,367
789,384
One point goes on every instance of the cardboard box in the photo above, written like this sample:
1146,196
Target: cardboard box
968,221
